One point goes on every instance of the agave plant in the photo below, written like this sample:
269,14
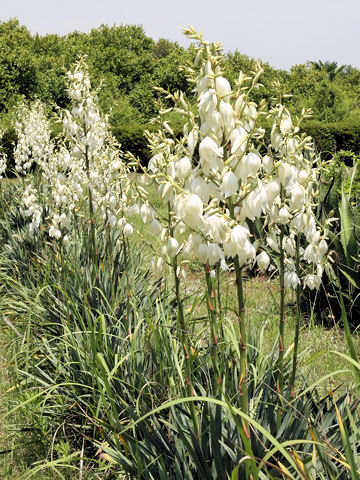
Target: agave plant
339,200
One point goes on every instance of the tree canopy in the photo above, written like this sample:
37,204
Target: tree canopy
126,64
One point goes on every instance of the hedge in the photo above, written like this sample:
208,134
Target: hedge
333,137
328,137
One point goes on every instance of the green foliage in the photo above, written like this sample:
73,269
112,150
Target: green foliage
338,197
18,75
102,374
331,68
334,137
127,63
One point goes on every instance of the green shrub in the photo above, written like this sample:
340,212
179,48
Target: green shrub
333,137
7,143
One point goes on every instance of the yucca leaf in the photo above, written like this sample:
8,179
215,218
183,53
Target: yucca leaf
331,198
347,446
352,275
347,237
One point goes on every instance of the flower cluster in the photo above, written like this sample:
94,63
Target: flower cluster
95,170
33,133
217,180
32,208
84,165
292,225
220,177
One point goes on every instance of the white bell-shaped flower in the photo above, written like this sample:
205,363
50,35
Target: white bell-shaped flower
214,253
287,175
183,168
272,191
172,247
229,185
192,140
147,213
207,103
227,116
291,280
200,188
155,228
128,230
210,155
223,88
267,163
285,125
297,197
193,211
284,216
202,253
263,261
251,164
216,227
238,139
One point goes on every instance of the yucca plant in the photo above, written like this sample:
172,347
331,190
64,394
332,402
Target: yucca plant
118,369
103,376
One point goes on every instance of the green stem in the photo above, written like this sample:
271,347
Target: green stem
211,306
298,318
218,289
91,206
243,387
280,379
181,327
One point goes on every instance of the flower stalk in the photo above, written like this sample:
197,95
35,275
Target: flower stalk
298,319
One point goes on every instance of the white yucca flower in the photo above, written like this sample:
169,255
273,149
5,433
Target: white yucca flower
263,261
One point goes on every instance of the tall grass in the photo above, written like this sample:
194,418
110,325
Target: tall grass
104,382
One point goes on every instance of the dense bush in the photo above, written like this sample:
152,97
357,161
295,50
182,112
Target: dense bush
333,137
128,63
